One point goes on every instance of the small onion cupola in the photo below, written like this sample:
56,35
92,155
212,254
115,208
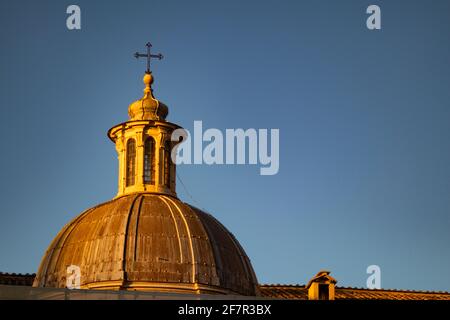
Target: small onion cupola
148,107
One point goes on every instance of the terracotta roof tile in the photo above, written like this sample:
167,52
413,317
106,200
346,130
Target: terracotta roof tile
278,291
294,291
16,279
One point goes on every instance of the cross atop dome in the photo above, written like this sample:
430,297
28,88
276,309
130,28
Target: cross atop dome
148,107
148,55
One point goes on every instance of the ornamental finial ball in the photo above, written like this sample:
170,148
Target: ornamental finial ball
148,79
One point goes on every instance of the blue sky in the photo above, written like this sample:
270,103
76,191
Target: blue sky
363,116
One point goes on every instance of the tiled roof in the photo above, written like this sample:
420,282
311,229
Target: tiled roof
16,279
278,291
300,292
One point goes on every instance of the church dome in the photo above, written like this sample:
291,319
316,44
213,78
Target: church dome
148,241
146,238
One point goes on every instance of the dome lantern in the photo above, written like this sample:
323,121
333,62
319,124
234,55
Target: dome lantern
143,143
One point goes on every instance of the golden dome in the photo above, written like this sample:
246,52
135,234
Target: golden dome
148,107
149,242
146,238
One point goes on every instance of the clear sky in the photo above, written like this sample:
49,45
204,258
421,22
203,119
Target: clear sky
364,119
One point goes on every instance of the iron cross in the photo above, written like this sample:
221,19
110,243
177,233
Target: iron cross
148,55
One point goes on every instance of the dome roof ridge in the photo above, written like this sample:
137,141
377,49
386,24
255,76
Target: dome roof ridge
148,241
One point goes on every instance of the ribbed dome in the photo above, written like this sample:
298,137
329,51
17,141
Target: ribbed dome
149,242
148,107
